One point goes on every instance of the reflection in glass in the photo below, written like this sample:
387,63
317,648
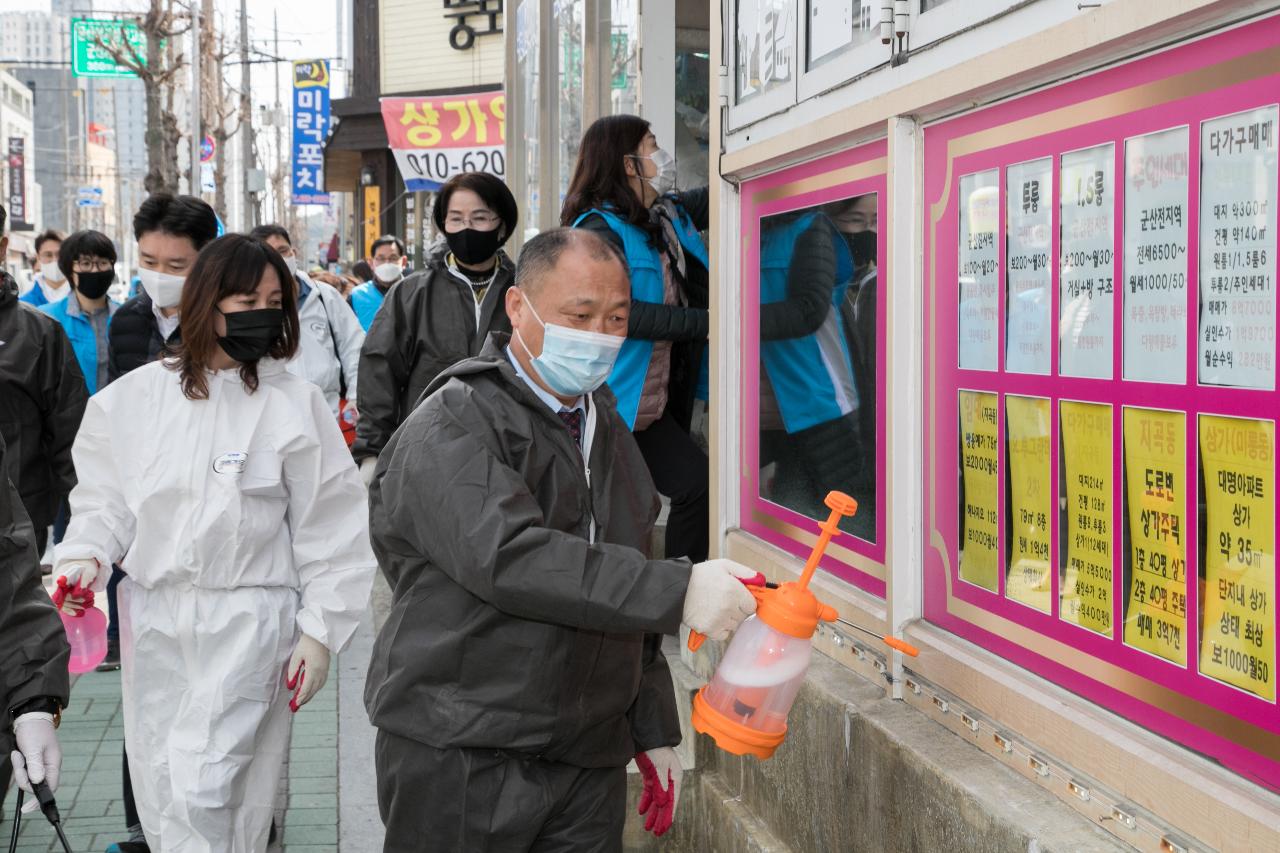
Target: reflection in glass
766,45
527,48
836,25
571,25
624,48
817,351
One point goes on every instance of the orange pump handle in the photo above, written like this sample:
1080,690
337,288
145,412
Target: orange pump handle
904,647
755,586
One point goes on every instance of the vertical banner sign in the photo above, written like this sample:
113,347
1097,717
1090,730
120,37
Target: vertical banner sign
1237,626
1029,580
979,266
980,456
1238,249
1028,193
310,128
1155,256
1155,461
372,217
17,181
1086,285
1086,592
435,138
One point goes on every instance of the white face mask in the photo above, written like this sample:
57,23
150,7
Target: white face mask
52,274
164,289
292,263
388,273
665,181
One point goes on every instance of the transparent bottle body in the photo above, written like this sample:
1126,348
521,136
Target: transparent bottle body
759,677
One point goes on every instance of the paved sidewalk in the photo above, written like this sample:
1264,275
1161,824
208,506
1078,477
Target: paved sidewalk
318,809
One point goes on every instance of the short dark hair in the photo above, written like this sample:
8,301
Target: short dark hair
362,271
232,264
387,240
4,217
49,236
264,232
540,255
84,244
492,191
179,215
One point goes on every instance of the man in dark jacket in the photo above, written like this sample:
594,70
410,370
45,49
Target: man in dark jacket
521,669
42,398
171,231
34,686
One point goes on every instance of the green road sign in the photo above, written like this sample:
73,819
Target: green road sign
90,59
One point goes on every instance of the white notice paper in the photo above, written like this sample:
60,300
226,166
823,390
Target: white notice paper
1028,194
1155,256
1087,282
1238,250
979,265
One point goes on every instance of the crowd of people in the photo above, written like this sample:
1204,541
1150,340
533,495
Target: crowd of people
514,426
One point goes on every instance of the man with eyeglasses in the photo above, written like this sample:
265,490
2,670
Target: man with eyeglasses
388,261
441,315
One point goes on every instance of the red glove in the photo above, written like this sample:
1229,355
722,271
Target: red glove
81,599
658,801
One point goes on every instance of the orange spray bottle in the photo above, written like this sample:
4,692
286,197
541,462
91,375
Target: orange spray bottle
744,707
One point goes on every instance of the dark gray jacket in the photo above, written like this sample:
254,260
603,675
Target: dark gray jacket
427,323
33,646
509,630
42,399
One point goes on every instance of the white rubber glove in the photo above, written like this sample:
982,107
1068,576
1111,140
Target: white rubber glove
716,601
38,757
307,671
366,469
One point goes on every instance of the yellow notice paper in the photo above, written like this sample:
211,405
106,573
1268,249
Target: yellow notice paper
1087,583
1237,628
1155,460
1030,501
980,459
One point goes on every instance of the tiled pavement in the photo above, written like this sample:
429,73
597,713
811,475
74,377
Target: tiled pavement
313,805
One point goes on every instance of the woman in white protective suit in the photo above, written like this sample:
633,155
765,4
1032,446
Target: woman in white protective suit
222,486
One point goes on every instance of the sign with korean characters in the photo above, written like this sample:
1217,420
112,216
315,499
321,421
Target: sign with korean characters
980,458
93,40
1155,463
1028,196
1086,284
1029,579
310,129
1155,256
1238,250
436,138
1087,583
979,268
1237,629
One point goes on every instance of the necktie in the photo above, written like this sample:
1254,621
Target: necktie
573,423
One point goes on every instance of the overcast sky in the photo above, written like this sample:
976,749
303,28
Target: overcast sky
308,30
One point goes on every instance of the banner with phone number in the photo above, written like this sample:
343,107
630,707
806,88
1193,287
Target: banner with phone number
435,138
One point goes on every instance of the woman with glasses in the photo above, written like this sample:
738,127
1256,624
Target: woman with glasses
221,484
440,315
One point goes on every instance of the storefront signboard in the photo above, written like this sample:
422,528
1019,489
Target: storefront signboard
436,138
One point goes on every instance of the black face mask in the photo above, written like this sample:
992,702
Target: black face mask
251,334
474,247
94,285
863,246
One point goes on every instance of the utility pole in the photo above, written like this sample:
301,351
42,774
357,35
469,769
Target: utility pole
197,134
280,158
250,217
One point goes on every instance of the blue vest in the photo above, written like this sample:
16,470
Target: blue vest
627,379
84,343
365,301
35,296
812,376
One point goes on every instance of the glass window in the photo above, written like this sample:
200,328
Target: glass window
693,104
926,5
527,70
818,359
624,44
571,26
766,35
837,25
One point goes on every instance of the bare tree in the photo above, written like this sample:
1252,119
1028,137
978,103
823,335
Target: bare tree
221,108
162,25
